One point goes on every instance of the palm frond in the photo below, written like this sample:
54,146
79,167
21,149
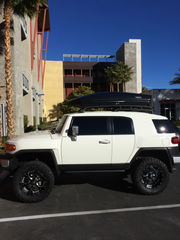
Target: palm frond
118,73
176,80
29,7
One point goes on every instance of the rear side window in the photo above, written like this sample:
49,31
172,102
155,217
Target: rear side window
164,126
122,126
91,125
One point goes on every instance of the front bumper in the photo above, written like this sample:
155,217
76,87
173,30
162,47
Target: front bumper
5,168
3,174
5,159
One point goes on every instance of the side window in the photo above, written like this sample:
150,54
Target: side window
122,126
164,126
91,125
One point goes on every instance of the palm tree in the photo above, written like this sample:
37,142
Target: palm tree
118,73
124,74
20,8
55,112
176,80
110,75
0,128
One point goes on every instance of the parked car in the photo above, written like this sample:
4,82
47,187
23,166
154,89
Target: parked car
140,144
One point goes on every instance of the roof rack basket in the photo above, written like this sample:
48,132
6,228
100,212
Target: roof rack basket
114,101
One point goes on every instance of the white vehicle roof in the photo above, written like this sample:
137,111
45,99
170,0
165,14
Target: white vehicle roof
119,113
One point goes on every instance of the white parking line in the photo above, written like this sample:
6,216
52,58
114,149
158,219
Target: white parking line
70,214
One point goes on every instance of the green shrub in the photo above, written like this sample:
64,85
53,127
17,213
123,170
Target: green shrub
25,121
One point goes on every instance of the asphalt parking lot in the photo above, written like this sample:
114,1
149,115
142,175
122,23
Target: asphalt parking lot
93,207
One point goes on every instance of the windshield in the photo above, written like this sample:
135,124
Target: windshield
61,124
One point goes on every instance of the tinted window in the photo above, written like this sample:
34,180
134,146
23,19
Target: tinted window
164,126
123,125
91,125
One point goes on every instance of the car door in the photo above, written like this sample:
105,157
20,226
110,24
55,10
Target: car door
93,144
123,139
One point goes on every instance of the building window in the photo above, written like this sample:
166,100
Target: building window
23,28
87,84
25,84
85,73
68,72
168,110
77,72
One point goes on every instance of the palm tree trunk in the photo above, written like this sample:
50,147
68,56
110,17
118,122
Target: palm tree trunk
110,87
8,72
117,87
0,125
124,86
0,132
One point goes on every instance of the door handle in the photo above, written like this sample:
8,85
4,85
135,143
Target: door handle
104,141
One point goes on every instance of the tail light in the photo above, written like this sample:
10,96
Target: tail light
175,140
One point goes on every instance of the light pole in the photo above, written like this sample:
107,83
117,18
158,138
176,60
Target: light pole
38,94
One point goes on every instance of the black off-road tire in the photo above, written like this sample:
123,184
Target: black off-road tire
33,182
151,176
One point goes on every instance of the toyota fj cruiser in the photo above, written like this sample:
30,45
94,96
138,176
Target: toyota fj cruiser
141,144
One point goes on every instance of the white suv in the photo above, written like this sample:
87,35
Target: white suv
141,144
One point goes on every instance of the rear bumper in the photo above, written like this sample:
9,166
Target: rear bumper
175,154
176,159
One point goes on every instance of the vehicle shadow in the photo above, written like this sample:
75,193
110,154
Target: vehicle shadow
6,191
113,181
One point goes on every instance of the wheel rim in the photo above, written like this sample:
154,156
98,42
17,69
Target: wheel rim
152,177
33,183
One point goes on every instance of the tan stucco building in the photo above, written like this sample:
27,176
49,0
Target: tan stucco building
27,68
53,86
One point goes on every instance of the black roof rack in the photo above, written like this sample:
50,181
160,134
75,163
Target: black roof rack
115,101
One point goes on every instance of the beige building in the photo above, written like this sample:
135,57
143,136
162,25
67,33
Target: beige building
27,68
62,77
53,86
130,54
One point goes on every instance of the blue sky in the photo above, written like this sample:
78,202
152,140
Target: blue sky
102,26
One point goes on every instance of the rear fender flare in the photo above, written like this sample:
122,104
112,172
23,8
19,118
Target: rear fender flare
159,153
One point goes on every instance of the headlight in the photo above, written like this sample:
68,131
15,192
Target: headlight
10,147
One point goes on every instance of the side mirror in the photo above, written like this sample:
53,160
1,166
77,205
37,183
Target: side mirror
75,132
53,131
